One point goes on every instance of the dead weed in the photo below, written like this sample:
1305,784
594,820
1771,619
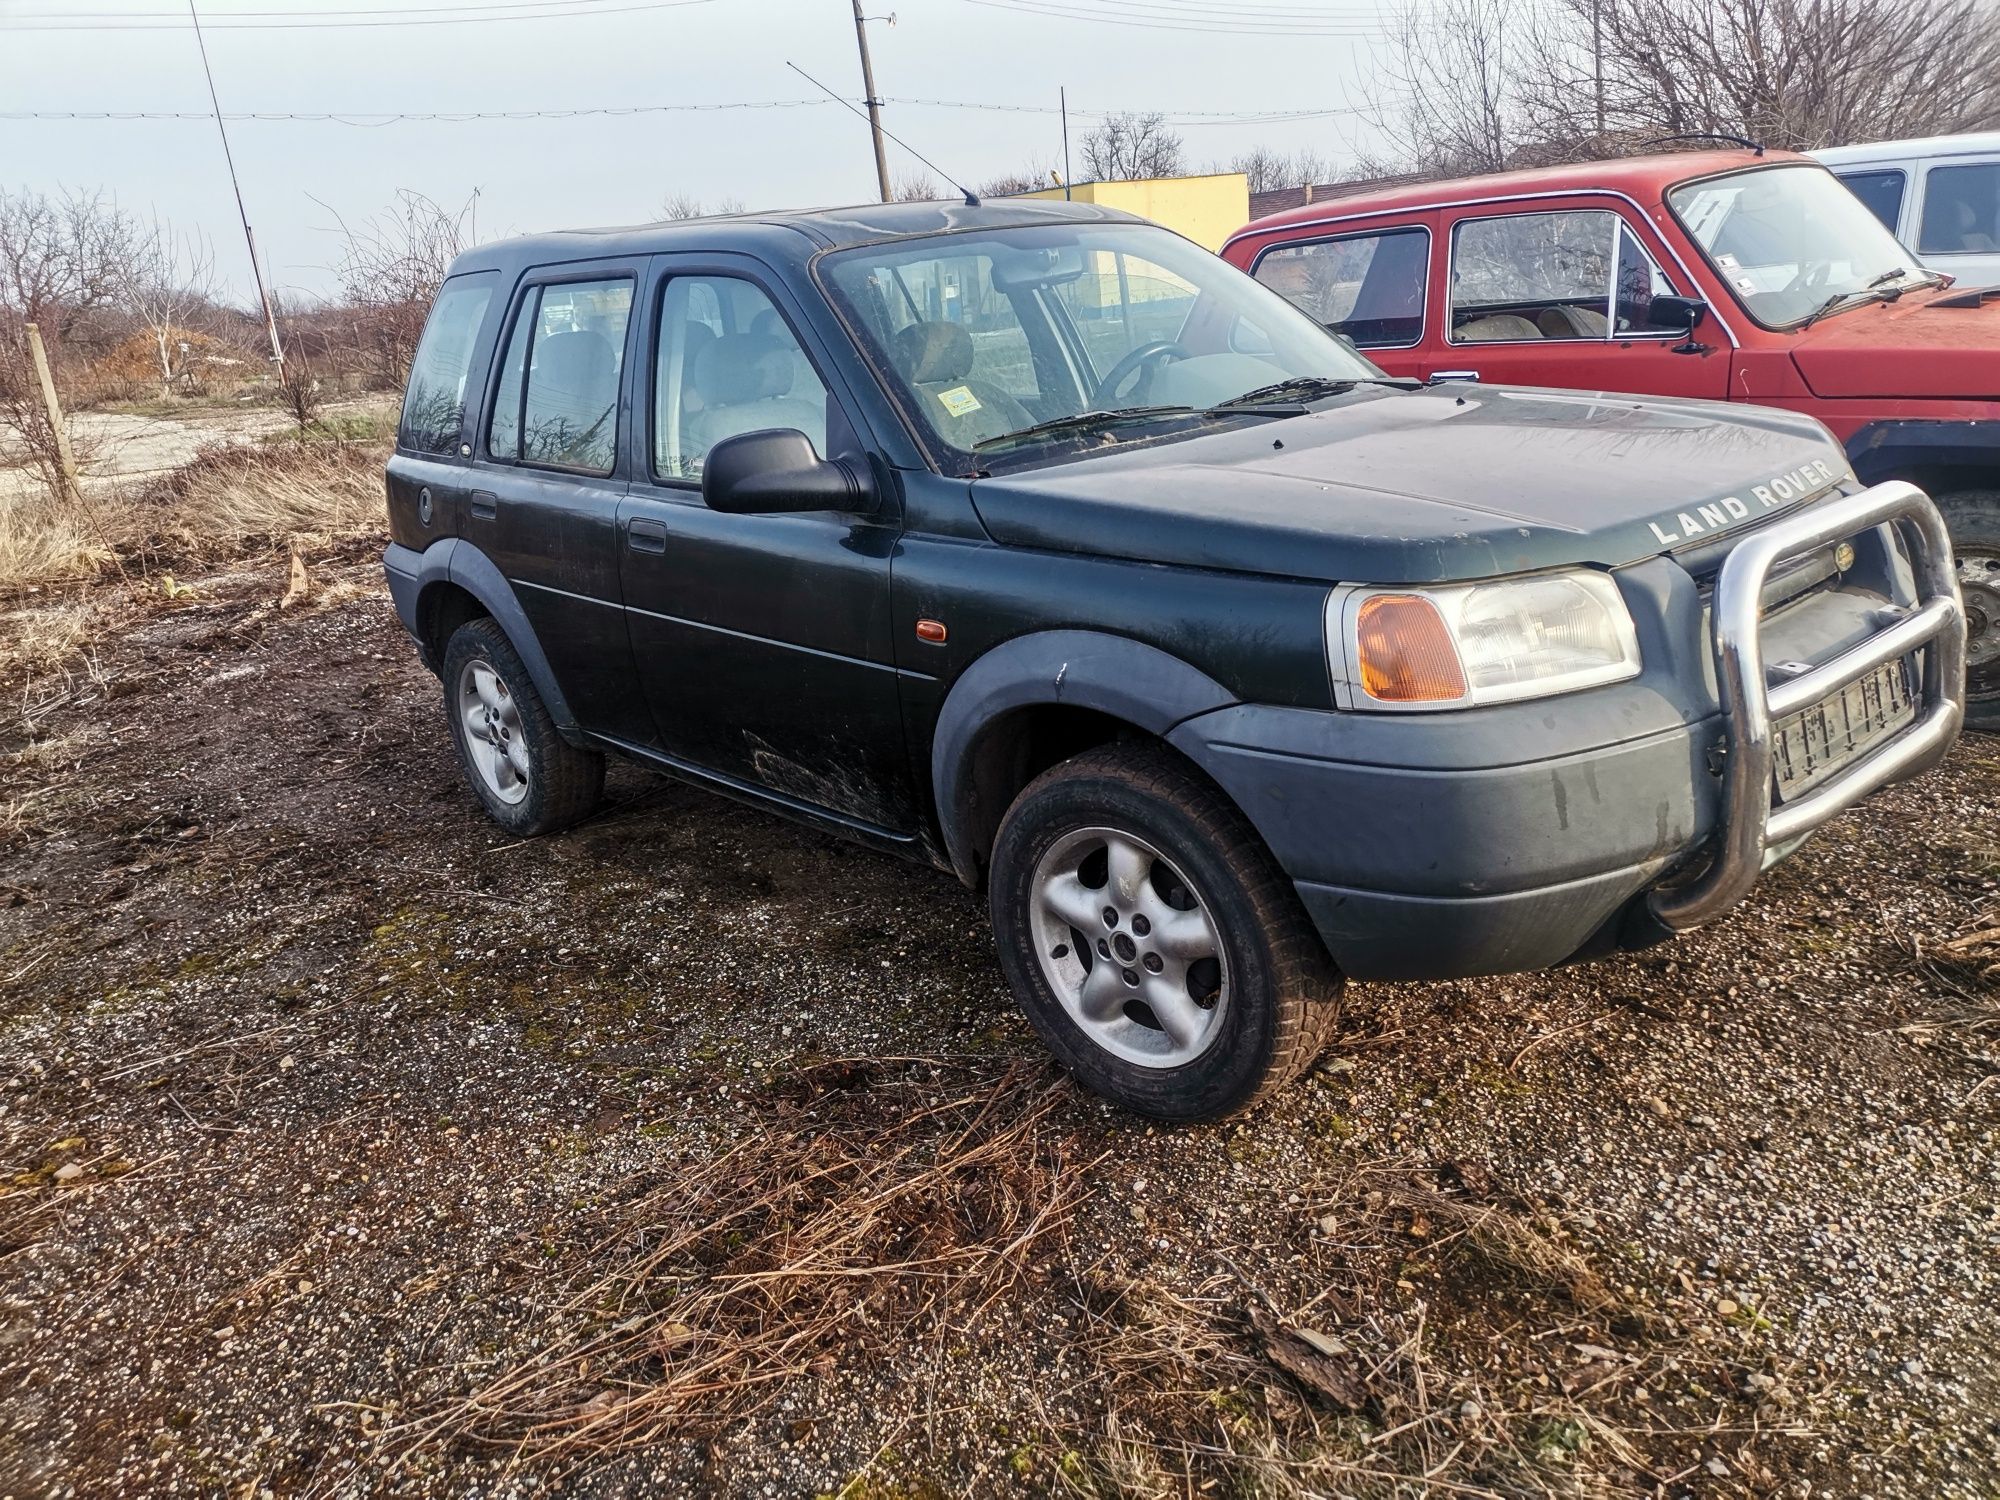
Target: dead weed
872,1198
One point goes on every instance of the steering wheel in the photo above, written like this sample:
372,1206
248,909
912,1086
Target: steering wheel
1811,276
1146,359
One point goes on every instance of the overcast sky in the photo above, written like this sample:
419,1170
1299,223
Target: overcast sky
1191,57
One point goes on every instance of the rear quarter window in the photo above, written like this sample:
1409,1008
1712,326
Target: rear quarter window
1369,287
434,399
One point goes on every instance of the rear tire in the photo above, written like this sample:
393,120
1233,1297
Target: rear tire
526,775
1152,940
1973,519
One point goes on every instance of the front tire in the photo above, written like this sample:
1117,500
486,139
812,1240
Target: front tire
1973,519
526,775
1152,940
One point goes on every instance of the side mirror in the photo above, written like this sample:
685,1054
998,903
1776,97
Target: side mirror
1682,314
759,473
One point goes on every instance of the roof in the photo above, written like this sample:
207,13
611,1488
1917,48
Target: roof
1976,142
797,233
1639,177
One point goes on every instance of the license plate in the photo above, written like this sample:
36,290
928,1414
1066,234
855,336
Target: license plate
1818,742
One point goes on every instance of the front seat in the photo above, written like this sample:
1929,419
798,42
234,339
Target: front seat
936,358
1561,321
573,395
745,382
1496,328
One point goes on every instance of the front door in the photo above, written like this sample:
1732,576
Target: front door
1563,298
546,481
762,641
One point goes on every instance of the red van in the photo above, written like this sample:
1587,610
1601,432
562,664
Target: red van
1730,275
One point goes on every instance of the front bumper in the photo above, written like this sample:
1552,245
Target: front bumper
1517,837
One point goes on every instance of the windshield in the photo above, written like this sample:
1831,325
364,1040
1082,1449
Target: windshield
989,338
1788,241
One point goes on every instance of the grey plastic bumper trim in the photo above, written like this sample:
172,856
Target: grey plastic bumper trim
1750,829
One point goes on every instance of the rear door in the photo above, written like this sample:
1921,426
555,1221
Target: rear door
1370,285
763,642
547,479
1562,296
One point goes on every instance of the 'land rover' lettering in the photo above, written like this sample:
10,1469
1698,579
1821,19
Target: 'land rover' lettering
1714,515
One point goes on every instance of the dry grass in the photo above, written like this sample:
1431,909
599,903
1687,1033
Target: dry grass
234,499
1501,1375
874,1198
227,501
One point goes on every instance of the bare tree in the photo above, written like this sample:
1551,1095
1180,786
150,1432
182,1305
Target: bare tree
392,264
917,187
1268,170
1479,85
1132,146
1029,179
687,206
61,257
1454,69
167,284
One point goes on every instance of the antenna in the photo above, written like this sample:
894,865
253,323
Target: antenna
1707,135
971,198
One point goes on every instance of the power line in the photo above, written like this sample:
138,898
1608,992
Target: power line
1074,10
371,119
400,19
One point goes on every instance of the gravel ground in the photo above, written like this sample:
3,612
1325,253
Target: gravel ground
332,1119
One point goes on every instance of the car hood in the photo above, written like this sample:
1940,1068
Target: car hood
1938,344
1452,482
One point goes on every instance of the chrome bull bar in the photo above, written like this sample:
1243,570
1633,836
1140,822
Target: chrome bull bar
1750,830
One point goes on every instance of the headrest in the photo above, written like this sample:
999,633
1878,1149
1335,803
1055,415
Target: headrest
741,367
576,363
930,353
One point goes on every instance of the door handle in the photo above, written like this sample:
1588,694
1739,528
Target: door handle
1443,375
642,535
485,505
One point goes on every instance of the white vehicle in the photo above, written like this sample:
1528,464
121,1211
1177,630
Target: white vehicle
1940,197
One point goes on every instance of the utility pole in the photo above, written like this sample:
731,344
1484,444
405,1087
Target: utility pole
1597,58
874,104
249,239
1062,97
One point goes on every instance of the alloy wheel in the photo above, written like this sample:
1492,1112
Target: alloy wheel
1129,947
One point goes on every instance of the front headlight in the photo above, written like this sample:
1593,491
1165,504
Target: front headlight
1462,645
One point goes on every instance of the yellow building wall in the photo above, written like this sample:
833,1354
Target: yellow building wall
1206,209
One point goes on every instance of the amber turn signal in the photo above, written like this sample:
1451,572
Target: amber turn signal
931,630
1406,651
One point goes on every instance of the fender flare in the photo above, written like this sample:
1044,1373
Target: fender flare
1892,450
455,561
1112,674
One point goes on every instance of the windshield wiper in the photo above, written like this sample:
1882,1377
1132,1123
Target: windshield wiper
1086,421
1308,388
1878,290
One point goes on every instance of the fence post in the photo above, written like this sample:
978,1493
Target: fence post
64,456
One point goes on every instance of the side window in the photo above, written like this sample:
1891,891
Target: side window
1121,302
434,401
1881,192
557,403
726,363
1369,287
1961,210
1532,276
